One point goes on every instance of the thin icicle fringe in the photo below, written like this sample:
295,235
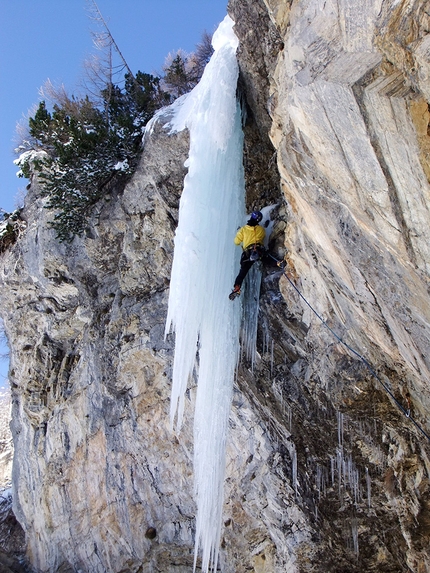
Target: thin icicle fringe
204,265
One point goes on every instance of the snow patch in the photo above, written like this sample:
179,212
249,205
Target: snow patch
28,158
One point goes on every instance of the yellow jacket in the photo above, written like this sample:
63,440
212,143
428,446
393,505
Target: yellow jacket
248,236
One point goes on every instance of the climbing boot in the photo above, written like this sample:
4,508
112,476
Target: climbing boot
234,293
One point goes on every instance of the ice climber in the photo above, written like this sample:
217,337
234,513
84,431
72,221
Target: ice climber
252,237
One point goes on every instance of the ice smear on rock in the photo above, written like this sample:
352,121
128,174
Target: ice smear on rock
251,295
204,266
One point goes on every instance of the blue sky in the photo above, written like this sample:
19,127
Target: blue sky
41,39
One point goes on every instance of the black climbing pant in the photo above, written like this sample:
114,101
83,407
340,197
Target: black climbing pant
246,262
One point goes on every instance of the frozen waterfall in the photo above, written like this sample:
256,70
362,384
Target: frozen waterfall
206,323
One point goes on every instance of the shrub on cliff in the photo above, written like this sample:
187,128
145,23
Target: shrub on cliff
86,145
80,145
11,226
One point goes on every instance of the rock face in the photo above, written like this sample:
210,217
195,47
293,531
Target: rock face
12,540
349,117
325,470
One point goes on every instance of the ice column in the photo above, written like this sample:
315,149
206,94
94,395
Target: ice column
204,266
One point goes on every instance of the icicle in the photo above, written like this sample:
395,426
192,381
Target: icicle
354,531
204,266
332,465
369,485
251,306
339,461
271,358
288,416
266,338
318,480
294,470
340,429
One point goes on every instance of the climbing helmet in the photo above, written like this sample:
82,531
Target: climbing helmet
256,216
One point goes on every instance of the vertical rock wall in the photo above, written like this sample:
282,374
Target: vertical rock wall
347,96
100,481
95,464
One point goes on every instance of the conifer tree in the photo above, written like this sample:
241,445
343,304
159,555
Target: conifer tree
87,146
182,72
81,145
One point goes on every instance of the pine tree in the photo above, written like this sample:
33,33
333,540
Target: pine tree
87,146
80,146
182,72
177,77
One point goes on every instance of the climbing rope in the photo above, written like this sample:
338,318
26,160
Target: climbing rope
254,256
357,354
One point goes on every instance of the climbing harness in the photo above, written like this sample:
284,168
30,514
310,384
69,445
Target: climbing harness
254,256
405,411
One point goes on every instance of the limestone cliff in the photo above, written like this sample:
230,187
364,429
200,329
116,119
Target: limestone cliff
347,97
324,470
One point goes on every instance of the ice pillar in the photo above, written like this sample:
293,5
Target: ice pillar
205,262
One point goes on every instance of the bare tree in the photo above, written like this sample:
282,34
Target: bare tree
58,95
202,54
22,140
101,69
